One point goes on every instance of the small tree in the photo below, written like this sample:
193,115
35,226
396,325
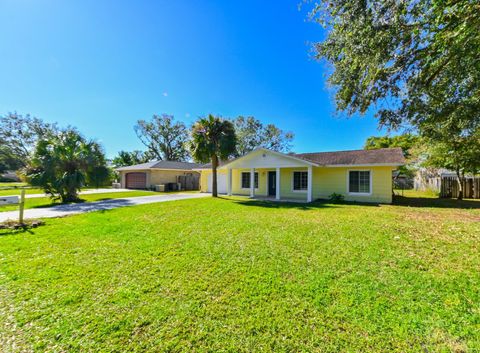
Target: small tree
99,175
61,164
455,147
409,144
125,158
251,134
164,138
213,139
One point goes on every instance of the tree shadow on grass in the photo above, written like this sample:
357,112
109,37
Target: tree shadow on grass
317,204
435,202
78,202
8,231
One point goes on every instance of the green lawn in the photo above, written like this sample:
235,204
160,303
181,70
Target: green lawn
11,184
46,201
208,275
16,191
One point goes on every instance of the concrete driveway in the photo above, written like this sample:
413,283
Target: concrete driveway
70,209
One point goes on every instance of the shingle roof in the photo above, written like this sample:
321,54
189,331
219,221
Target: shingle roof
162,165
381,156
355,157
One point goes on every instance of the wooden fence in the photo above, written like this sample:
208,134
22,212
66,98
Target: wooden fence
471,187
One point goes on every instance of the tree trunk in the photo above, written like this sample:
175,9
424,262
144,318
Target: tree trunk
460,179
214,175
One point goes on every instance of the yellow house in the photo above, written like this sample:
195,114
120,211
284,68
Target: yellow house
360,175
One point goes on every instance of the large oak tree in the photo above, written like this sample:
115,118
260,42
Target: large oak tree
414,61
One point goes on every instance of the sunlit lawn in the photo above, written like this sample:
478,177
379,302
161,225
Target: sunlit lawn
16,191
12,184
209,275
46,201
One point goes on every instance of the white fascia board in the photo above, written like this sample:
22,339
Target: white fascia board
299,162
363,165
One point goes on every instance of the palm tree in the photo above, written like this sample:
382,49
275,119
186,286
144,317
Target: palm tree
213,139
61,164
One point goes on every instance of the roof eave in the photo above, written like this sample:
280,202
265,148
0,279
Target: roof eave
364,165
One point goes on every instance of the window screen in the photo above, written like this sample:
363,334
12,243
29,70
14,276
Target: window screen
300,181
359,181
246,180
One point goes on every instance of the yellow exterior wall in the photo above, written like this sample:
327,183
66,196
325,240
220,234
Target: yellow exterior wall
329,180
325,182
204,178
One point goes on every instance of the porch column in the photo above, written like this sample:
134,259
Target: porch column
229,182
252,182
277,186
309,184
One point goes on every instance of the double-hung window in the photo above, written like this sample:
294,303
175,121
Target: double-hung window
246,180
359,182
300,181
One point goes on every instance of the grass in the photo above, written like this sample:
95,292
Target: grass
46,201
17,191
209,275
12,184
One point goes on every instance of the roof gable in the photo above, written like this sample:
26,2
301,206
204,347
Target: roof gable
263,158
377,157
381,156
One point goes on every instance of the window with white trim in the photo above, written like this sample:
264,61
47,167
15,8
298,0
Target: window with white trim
359,181
300,181
246,180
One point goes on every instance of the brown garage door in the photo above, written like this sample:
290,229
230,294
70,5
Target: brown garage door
136,181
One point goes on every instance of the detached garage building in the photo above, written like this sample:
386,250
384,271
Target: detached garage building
147,175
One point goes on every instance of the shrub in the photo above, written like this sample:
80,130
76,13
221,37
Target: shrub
336,197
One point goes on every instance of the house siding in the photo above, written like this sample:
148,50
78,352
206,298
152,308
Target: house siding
326,180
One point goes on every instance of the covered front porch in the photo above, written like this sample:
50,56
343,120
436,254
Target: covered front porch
270,175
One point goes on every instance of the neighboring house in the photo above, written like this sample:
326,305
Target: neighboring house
445,182
9,175
148,175
430,178
361,175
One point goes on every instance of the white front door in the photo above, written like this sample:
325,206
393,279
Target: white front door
221,183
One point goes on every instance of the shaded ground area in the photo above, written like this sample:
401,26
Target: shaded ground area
414,198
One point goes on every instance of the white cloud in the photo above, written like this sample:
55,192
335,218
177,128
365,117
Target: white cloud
165,94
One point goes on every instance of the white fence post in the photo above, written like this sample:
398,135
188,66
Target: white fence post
22,206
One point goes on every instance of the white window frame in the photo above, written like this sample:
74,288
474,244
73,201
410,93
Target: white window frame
303,191
258,180
359,193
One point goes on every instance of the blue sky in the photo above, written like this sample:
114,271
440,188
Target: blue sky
102,65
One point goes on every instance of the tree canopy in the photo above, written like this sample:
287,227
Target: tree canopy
18,137
61,164
125,158
165,138
414,61
406,142
252,133
213,140
453,145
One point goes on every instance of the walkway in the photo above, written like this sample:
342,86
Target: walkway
70,209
